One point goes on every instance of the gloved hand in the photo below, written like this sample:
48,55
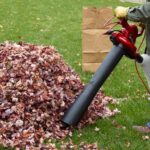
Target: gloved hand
121,12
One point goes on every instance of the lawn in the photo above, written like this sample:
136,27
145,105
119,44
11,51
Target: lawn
58,23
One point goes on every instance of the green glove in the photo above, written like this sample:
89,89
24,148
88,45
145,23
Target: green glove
121,12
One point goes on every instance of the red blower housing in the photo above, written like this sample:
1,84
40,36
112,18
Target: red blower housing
127,37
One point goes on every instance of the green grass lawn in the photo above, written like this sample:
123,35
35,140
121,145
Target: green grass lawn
58,23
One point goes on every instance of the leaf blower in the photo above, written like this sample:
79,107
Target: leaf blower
123,44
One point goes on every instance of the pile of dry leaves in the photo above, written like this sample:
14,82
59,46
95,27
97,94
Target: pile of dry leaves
36,87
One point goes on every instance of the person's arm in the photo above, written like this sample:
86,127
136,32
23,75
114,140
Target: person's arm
139,13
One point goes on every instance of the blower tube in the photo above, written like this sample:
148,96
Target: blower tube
79,107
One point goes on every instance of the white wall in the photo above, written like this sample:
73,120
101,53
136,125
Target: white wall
134,1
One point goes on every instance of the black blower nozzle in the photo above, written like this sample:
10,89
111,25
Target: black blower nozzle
78,108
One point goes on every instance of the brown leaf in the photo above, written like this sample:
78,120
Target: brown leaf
36,88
